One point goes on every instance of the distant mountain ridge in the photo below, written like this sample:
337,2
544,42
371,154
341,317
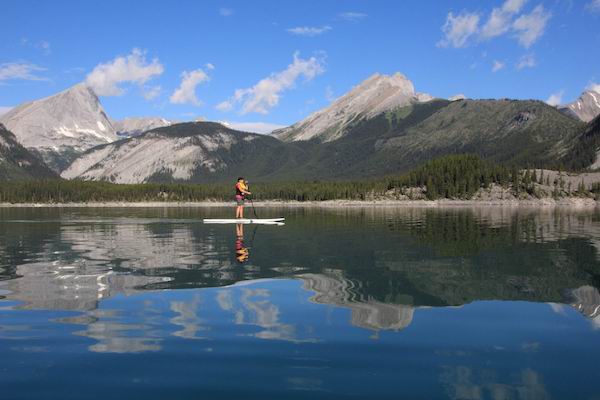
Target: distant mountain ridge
135,126
185,152
61,126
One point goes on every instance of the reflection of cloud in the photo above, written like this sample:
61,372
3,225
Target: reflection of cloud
466,383
370,314
120,337
558,308
260,311
224,300
187,318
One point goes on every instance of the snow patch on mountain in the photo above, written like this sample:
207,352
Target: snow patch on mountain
586,107
70,121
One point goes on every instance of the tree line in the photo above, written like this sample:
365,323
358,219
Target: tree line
452,177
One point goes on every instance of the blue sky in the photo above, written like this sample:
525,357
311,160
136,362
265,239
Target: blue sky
278,61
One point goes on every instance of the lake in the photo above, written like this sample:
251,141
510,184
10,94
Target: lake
459,303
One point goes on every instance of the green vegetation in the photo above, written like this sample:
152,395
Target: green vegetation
452,177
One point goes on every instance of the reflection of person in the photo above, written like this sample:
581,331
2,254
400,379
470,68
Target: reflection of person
241,251
241,190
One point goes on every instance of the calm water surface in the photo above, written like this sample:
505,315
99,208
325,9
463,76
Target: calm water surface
360,303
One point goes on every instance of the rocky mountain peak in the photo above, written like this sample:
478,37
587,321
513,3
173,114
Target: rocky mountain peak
377,94
62,125
586,107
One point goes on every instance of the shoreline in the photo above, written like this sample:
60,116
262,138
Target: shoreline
546,203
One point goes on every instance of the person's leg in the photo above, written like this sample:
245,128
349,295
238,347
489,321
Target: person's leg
241,211
238,213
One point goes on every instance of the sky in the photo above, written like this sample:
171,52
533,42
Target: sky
271,63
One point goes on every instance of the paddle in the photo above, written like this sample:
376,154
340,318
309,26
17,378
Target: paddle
252,202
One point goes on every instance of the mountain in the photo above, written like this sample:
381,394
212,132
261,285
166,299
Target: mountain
135,126
17,163
189,152
514,132
585,108
61,126
377,94
585,154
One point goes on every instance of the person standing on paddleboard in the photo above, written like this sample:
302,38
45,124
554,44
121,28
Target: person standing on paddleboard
241,190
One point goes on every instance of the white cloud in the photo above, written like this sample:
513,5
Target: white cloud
352,16
594,86
265,95
256,127
530,27
593,6
498,65
309,31
209,66
459,29
186,92
555,99
105,78
226,12
151,92
20,70
527,61
501,19
4,110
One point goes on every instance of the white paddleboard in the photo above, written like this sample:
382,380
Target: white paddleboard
266,221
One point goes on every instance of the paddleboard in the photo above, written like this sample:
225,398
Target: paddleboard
266,221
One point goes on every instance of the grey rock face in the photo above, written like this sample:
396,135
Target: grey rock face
586,107
61,126
129,127
377,94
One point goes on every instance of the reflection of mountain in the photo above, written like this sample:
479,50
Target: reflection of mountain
380,263
366,313
586,300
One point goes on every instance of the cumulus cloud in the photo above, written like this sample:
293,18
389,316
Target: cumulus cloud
555,99
266,94
21,70
352,16
4,110
464,29
459,29
133,68
530,27
256,127
497,66
186,92
593,6
594,86
309,31
527,61
500,20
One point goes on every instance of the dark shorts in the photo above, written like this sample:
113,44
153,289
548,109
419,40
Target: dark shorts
239,200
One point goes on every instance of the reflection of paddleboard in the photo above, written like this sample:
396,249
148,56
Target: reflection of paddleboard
266,221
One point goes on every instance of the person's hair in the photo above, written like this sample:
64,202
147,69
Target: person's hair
241,178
